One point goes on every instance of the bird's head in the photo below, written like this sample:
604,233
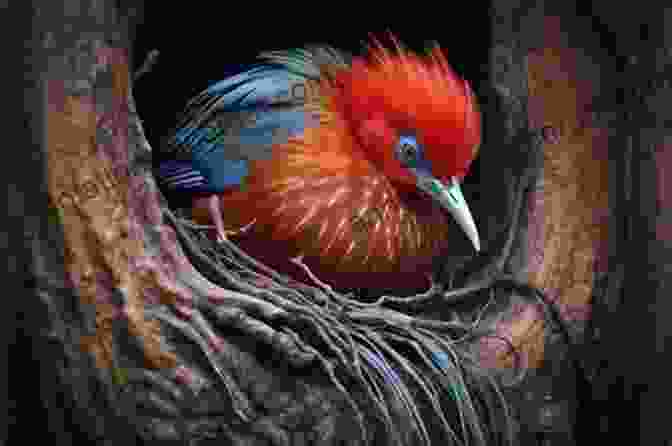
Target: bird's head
416,121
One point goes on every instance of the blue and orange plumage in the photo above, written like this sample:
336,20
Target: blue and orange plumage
356,174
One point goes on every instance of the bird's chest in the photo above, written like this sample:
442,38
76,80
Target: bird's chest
352,230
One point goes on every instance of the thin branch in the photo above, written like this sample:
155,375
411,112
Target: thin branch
147,65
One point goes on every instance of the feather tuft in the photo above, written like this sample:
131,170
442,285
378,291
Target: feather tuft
419,92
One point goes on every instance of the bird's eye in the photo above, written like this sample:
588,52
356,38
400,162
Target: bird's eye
408,151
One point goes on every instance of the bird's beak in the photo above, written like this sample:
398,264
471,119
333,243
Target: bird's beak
450,197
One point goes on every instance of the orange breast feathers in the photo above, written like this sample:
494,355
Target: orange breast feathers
318,196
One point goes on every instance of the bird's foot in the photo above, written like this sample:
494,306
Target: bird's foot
221,237
224,234
298,261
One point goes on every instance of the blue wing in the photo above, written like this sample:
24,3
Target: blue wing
240,119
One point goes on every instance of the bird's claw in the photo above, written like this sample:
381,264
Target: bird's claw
223,235
246,228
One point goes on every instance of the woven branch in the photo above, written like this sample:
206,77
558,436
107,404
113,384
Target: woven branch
366,345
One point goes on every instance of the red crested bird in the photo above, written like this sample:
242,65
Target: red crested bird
353,163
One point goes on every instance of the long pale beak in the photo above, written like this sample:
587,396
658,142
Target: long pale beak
450,197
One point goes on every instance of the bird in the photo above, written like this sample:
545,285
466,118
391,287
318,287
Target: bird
351,163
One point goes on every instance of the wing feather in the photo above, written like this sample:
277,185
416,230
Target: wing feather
243,117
